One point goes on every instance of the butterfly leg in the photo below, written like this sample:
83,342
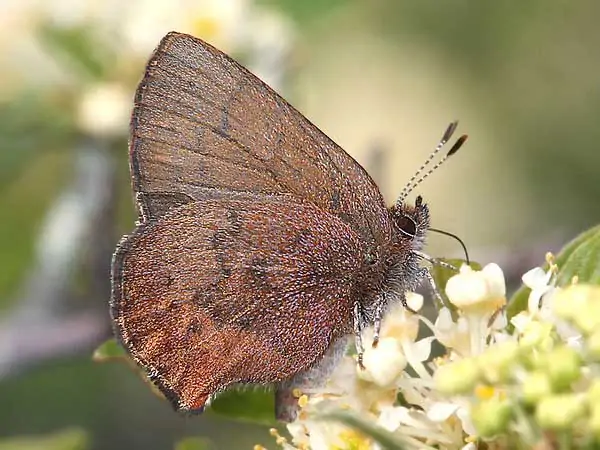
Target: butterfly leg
358,319
424,273
378,317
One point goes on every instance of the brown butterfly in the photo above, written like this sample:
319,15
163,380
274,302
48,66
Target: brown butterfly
260,246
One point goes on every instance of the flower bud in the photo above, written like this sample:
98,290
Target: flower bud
594,421
458,377
593,392
535,387
563,367
579,304
588,319
566,302
497,362
537,334
593,345
491,417
558,412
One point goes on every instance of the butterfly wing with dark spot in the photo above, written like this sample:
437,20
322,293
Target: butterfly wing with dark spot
203,123
225,291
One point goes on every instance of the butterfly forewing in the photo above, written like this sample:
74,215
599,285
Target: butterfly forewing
203,123
217,292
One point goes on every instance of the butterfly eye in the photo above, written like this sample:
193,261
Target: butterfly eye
407,226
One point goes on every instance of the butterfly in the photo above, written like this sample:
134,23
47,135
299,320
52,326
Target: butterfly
261,246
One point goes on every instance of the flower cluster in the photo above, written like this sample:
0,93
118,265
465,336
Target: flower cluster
515,383
91,54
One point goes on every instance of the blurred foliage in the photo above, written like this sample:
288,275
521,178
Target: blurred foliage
194,444
79,50
530,69
109,350
243,403
37,183
306,11
30,124
579,258
73,439
533,66
254,404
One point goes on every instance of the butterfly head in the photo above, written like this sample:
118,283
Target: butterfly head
411,223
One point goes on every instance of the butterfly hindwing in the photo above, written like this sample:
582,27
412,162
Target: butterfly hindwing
223,291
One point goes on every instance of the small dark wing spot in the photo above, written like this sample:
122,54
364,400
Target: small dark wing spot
243,322
302,238
235,223
223,129
335,200
219,239
219,309
194,327
203,297
259,273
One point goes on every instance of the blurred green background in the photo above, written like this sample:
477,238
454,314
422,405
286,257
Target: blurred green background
383,78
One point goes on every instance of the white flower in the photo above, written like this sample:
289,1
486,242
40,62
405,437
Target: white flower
428,417
540,305
402,326
479,295
468,394
384,363
442,411
269,46
319,434
104,110
223,23
477,291
399,322
541,283
453,335
77,13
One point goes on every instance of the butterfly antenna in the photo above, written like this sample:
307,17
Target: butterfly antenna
459,142
415,180
453,236
447,135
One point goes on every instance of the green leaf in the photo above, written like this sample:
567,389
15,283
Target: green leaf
256,405
385,438
245,404
580,257
72,439
194,443
109,350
